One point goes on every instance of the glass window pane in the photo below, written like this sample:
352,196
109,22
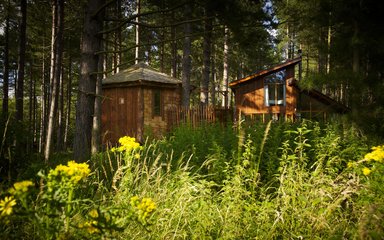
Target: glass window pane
156,103
271,94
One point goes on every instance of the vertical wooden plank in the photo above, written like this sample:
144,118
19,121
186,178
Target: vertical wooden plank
140,115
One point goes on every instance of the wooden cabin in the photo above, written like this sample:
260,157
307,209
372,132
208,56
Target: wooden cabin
275,94
136,100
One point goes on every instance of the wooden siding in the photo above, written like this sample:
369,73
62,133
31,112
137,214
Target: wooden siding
250,97
120,111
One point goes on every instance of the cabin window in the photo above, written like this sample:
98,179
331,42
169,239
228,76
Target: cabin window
274,89
156,102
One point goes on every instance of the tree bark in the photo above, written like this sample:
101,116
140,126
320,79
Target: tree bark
355,49
69,97
43,106
186,69
225,69
137,40
6,66
90,44
21,65
206,57
213,75
58,49
31,109
173,51
60,112
96,127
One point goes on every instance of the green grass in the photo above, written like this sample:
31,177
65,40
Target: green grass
256,181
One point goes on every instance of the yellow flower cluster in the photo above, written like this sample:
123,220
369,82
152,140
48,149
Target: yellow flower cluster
366,171
72,172
127,144
143,208
377,154
6,206
90,226
20,187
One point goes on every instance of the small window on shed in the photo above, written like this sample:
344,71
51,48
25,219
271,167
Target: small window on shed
156,102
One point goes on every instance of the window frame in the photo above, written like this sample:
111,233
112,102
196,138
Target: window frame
275,81
156,103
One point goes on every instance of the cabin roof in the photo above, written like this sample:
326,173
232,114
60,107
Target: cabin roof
140,73
265,72
339,107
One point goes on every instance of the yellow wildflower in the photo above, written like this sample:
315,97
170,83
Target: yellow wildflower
20,187
127,144
377,154
137,156
93,213
6,205
147,205
90,226
143,208
366,171
350,164
73,172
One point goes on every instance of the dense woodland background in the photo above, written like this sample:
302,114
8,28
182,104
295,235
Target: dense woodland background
54,54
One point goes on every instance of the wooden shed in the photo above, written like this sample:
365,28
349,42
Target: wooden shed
275,94
136,100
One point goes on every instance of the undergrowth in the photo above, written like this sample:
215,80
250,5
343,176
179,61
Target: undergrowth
251,181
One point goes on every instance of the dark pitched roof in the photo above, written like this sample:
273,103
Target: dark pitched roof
139,73
339,107
265,72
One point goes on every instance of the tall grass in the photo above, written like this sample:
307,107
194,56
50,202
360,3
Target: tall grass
258,181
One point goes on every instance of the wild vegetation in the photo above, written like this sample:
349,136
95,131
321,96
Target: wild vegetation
243,181
254,181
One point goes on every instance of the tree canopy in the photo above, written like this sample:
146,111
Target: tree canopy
205,43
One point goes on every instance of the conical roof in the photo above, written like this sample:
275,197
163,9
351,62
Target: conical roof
140,72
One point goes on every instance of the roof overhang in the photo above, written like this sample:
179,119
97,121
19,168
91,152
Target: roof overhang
272,70
140,74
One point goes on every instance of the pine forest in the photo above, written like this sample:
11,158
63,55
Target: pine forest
191,119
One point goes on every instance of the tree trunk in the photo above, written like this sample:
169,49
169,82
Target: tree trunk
43,106
213,76
118,38
173,50
58,49
60,112
225,69
186,74
53,53
90,44
6,66
206,57
21,65
31,109
96,127
137,40
355,49
68,98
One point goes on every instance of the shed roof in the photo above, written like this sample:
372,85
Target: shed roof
265,72
339,107
140,73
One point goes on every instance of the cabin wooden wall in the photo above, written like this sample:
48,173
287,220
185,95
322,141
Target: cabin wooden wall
120,110
291,93
170,99
249,97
